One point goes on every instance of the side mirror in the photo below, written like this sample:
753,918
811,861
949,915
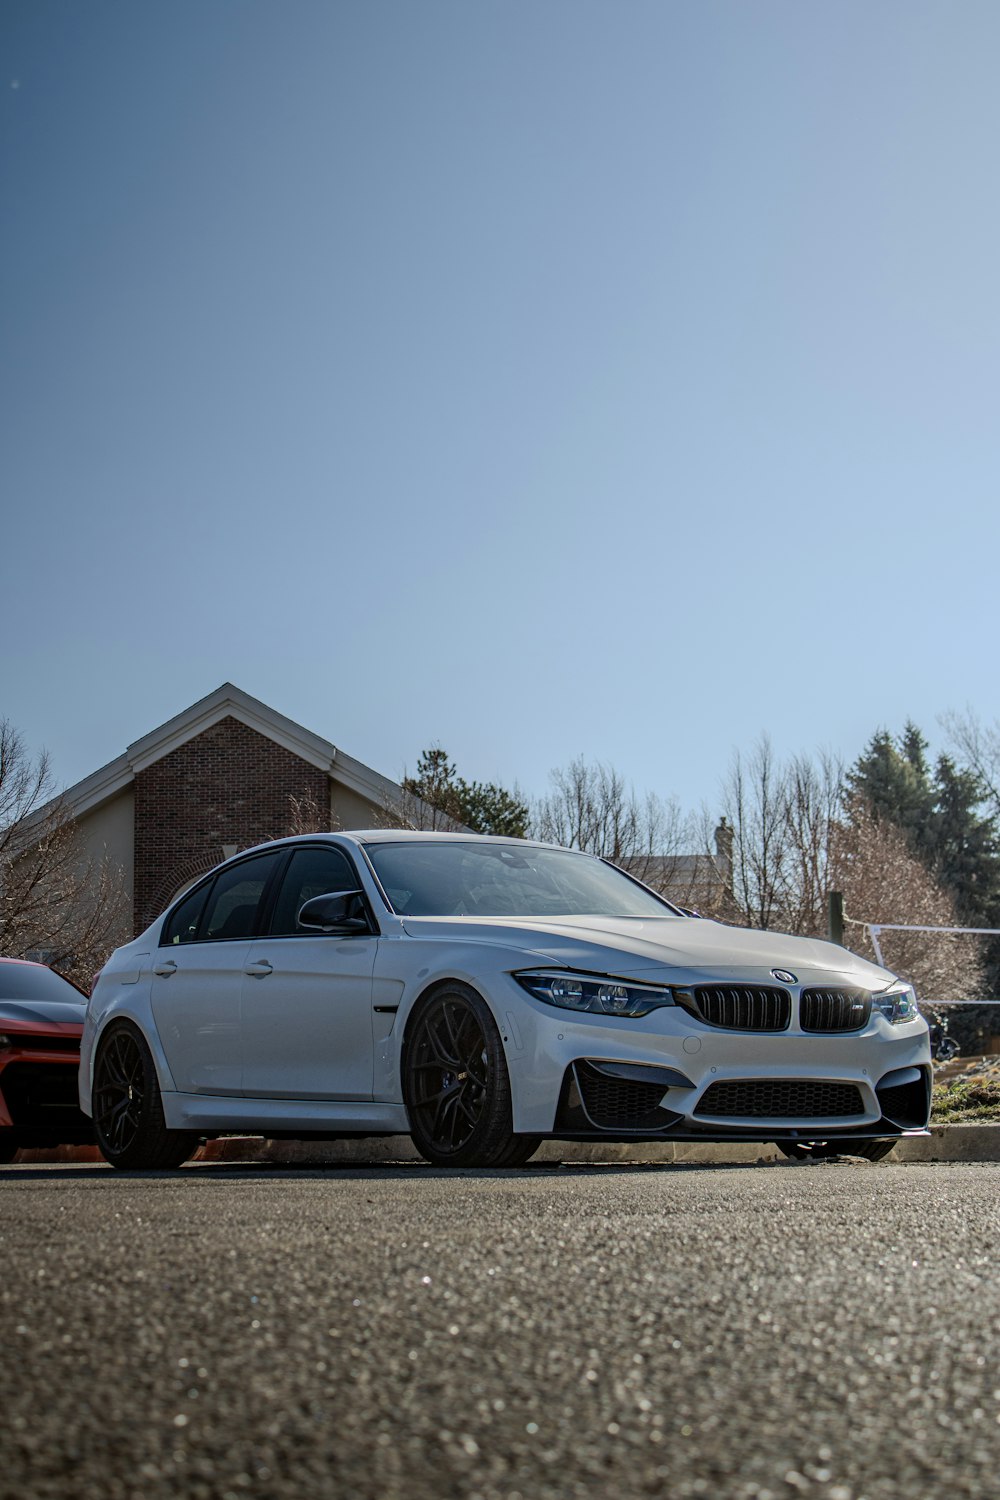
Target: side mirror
340,914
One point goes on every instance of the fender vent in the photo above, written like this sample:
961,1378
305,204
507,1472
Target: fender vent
615,1103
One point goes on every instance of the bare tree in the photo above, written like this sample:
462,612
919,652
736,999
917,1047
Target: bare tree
882,880
408,811
306,815
755,804
813,804
57,901
781,818
591,807
979,746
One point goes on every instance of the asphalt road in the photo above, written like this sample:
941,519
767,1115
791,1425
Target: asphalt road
748,1333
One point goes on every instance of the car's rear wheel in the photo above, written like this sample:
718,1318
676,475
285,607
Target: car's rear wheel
128,1109
825,1150
9,1145
456,1085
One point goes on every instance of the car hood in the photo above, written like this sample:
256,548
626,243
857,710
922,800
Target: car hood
41,1013
626,945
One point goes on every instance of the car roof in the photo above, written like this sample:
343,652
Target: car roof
362,836
422,836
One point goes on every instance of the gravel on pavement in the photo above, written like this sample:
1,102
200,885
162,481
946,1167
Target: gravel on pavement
750,1332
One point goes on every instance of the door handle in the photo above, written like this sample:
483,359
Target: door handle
166,969
260,970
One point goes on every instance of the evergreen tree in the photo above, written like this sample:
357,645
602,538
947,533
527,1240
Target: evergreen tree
488,808
966,851
943,822
893,781
484,807
968,857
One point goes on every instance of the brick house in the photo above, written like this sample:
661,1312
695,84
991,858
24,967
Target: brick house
216,778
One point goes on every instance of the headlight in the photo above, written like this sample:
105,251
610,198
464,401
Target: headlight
898,1003
594,992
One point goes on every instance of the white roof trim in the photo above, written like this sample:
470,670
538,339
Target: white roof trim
231,702
117,776
228,701
357,777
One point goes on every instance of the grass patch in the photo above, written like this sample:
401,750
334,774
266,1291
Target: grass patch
966,1099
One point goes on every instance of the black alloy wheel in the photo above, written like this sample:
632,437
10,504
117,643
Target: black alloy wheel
128,1110
456,1085
827,1150
9,1145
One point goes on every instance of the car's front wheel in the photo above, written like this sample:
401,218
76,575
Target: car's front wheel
128,1109
825,1150
456,1086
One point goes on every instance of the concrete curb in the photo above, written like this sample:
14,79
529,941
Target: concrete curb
969,1143
945,1143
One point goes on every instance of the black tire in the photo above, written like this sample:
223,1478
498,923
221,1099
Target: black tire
456,1086
826,1150
9,1145
128,1110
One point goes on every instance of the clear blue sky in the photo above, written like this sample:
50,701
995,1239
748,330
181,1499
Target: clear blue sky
536,379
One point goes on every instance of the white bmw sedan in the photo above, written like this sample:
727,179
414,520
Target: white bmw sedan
480,995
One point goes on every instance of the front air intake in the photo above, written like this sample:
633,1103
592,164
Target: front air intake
617,1098
905,1097
779,1099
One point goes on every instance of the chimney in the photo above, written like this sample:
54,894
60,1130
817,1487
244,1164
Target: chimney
724,846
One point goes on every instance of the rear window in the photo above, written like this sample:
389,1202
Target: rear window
33,982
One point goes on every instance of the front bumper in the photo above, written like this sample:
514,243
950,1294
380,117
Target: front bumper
38,1087
690,1081
601,1101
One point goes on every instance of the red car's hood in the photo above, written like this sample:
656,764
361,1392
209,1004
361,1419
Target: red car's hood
41,1015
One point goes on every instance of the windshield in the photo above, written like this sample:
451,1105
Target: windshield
480,879
33,982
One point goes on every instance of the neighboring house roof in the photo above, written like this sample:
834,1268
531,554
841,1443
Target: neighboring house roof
681,866
695,880
226,702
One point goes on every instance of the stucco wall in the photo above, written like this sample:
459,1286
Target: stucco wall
350,810
110,830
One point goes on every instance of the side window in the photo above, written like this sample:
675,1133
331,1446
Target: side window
182,924
311,872
232,906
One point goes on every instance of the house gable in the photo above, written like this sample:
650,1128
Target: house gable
218,777
227,788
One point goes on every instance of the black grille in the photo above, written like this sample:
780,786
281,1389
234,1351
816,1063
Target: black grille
739,1007
620,1103
780,1099
834,1010
29,1043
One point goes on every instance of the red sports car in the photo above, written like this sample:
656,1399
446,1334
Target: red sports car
41,1021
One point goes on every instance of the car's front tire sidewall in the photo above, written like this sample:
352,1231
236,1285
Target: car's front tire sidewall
147,1145
491,1141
